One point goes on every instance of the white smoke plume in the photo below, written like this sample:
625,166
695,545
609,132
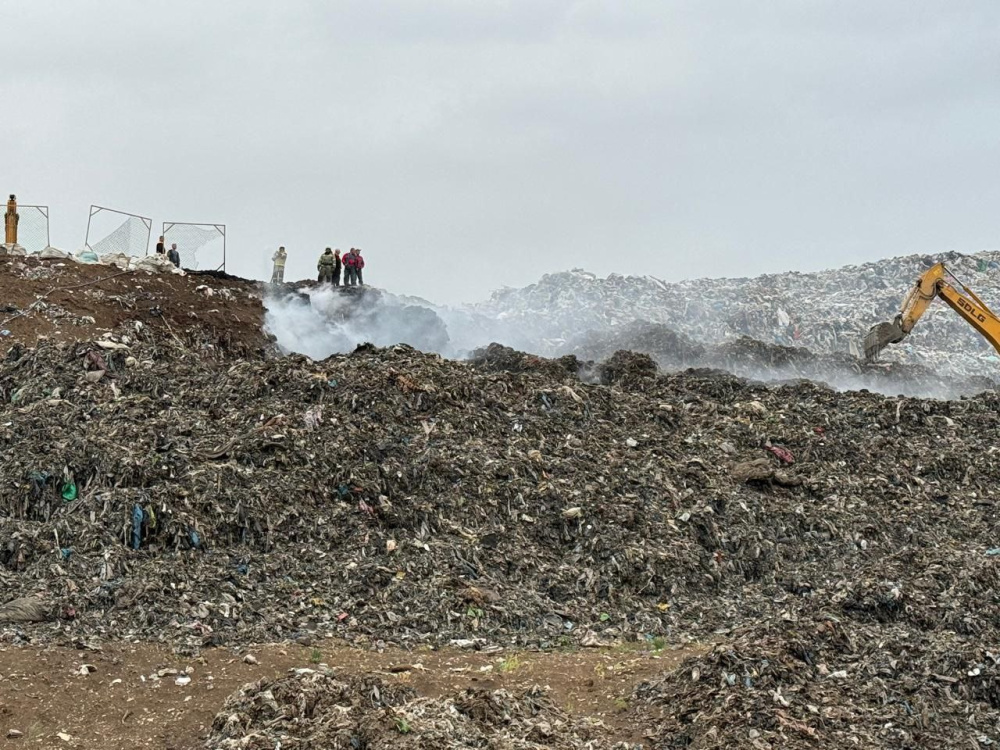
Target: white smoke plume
326,320
322,321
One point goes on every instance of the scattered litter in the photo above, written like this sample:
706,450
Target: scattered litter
321,710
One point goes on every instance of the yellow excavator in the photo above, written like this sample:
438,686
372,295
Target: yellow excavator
936,281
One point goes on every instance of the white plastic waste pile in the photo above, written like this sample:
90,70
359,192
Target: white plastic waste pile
826,311
122,261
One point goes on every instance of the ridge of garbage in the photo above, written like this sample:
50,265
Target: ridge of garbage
831,309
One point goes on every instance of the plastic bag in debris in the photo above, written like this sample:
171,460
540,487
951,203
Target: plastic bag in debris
783,454
119,260
138,515
155,264
53,253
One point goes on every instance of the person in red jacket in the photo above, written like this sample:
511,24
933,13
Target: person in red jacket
359,264
348,262
353,263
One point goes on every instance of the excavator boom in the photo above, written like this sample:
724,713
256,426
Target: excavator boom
934,282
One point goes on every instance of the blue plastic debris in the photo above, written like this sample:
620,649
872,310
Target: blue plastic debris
137,516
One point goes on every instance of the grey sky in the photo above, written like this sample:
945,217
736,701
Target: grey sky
471,144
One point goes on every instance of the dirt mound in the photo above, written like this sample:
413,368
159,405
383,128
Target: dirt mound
317,710
65,301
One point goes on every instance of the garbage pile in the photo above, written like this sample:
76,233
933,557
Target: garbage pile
770,363
826,312
86,255
394,496
314,709
671,349
822,681
154,488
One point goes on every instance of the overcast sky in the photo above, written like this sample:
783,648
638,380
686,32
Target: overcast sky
471,144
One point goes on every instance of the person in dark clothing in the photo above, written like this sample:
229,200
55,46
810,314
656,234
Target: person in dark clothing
174,256
160,248
326,266
337,267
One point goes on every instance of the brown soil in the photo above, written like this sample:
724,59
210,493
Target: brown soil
120,706
83,301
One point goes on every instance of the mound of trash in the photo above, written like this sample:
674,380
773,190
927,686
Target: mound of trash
769,363
314,709
669,348
820,681
827,312
148,491
155,489
499,358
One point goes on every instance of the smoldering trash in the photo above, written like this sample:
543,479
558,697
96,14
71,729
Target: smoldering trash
830,557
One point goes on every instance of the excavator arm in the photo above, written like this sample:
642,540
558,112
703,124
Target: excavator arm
934,283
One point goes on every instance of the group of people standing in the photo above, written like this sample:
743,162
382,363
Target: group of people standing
331,263
330,267
172,254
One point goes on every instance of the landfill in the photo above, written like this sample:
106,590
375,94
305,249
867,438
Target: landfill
757,360
167,477
826,312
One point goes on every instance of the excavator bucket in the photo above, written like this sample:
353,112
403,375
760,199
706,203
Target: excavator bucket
881,336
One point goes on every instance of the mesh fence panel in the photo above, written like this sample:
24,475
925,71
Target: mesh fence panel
112,232
33,228
201,246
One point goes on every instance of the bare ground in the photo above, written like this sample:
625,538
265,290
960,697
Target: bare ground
120,705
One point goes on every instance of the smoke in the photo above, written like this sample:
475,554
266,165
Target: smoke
844,379
299,325
326,320
322,321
